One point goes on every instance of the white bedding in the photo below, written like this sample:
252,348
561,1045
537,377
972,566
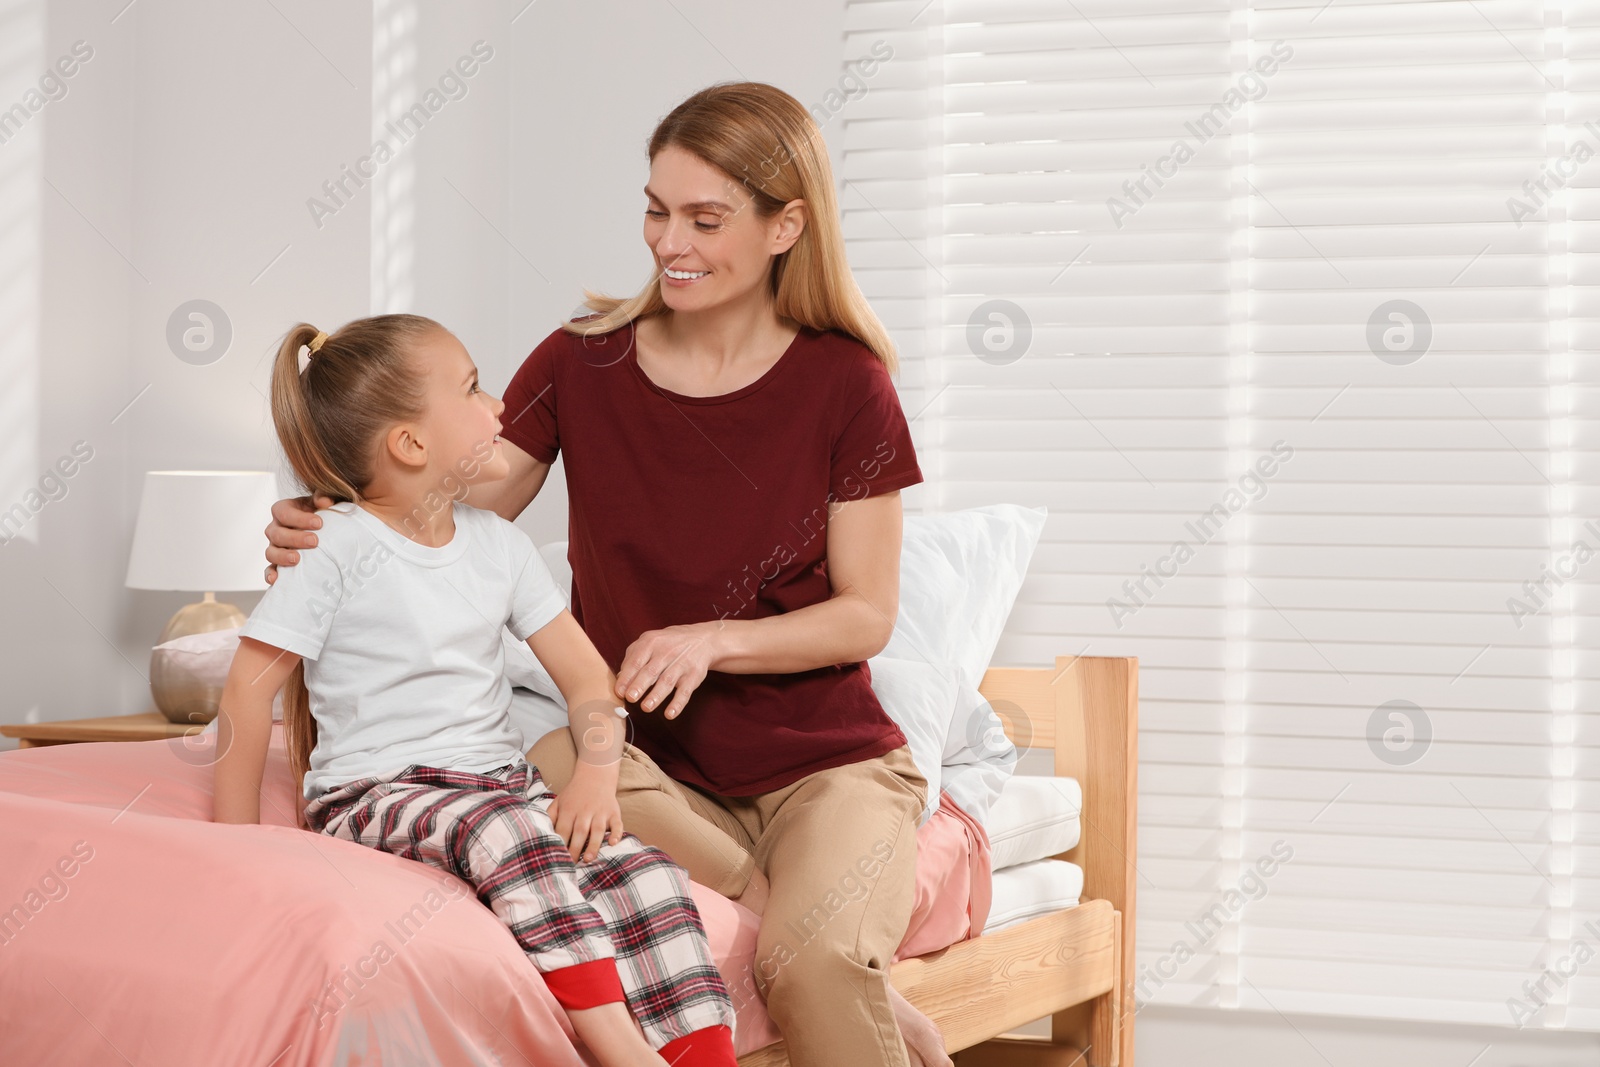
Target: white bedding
1033,818
1031,890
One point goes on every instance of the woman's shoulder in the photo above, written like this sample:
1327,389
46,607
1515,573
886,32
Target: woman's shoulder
851,368
563,349
846,354
572,336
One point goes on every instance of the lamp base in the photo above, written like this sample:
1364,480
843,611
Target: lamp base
180,697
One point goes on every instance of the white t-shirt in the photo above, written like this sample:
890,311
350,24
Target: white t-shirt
402,642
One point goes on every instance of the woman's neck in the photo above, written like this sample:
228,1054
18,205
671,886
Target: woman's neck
723,337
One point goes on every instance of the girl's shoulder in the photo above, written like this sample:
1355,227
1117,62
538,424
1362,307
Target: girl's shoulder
347,531
490,527
341,543
340,523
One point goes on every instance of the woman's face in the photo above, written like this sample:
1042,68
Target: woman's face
710,245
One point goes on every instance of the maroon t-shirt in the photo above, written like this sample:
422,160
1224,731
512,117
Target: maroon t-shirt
685,509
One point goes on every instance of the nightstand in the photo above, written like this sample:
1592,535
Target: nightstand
145,726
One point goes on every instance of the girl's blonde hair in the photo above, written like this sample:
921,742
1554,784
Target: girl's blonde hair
330,420
767,141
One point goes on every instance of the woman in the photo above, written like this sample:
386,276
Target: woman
734,454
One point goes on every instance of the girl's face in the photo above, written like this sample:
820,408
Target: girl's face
710,245
461,426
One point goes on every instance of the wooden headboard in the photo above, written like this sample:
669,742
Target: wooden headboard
1086,709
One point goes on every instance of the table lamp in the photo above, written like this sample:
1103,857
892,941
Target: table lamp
199,532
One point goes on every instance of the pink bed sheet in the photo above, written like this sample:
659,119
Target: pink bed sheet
133,929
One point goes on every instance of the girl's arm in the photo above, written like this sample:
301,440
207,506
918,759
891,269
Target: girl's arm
587,808
244,728
852,625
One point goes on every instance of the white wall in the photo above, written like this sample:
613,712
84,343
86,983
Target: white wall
185,151
169,171
178,166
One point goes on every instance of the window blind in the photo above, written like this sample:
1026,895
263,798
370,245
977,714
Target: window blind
1288,312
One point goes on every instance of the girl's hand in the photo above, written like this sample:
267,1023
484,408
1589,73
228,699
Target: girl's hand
674,660
586,813
292,518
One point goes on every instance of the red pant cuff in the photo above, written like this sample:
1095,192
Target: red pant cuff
586,985
711,1047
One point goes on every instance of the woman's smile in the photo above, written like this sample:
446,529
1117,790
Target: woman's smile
682,278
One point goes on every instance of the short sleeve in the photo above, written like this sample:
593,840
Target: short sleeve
296,612
529,420
536,599
872,452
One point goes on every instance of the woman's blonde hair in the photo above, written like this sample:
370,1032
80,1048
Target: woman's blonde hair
330,419
767,141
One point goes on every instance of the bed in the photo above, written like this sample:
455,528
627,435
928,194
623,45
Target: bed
132,930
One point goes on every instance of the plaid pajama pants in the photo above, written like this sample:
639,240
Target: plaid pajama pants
623,928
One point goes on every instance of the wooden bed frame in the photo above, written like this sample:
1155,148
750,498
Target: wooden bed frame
1075,965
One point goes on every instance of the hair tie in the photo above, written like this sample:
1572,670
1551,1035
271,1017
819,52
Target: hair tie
316,342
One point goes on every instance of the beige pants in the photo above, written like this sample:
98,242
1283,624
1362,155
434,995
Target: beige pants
839,848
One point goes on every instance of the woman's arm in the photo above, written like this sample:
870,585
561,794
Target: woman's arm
587,808
244,727
510,495
852,625
294,518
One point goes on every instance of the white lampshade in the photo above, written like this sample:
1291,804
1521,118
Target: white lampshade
202,531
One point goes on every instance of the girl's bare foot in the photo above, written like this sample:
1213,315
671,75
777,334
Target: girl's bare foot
924,1041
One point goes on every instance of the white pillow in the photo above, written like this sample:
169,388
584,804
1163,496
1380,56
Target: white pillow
1034,818
959,575
978,756
921,700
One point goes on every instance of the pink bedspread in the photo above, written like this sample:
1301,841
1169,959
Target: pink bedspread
135,930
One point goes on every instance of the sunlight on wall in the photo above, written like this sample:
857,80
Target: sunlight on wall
1561,942
22,61
394,91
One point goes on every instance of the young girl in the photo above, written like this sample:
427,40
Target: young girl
396,712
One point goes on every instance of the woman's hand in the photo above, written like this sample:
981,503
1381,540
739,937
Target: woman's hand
674,660
586,811
292,517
